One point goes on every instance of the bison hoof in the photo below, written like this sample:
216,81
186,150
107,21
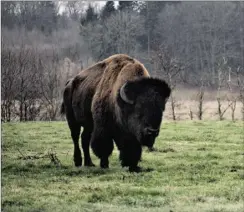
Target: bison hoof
151,149
104,166
135,169
78,163
77,160
124,164
104,163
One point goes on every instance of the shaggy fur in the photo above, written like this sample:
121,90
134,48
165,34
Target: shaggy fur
93,100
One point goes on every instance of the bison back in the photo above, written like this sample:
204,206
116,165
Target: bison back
79,92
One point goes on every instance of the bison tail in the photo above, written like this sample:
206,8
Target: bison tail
62,109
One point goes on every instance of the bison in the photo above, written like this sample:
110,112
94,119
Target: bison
114,100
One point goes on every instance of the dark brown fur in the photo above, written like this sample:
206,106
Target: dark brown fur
92,99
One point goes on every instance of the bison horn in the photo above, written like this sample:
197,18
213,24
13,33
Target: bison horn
123,95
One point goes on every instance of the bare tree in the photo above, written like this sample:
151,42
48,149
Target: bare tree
74,9
117,34
27,84
222,82
19,82
206,34
200,84
190,113
169,68
50,87
232,99
200,98
8,82
240,84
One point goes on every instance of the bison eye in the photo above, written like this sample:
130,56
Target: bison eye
152,132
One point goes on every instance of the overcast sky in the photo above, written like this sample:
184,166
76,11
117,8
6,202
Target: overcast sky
99,4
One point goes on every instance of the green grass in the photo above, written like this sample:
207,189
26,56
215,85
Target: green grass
197,166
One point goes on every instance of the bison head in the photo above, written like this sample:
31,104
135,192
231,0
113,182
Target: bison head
142,102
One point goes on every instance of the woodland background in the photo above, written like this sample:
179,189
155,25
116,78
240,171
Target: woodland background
198,47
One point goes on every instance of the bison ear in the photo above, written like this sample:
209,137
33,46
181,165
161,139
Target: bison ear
127,93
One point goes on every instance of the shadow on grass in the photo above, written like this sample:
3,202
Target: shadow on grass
97,171
31,169
161,150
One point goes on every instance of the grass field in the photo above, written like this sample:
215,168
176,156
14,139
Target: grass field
197,166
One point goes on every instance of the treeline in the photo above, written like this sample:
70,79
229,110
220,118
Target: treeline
196,34
199,44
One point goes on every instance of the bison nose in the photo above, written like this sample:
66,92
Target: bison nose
152,132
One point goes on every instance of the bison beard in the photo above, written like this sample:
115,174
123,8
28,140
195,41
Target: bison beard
114,101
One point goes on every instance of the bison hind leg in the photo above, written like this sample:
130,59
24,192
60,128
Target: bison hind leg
86,137
75,134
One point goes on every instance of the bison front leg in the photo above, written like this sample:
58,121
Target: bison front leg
86,137
101,141
102,147
130,155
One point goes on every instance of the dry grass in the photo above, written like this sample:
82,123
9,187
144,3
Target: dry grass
210,110
186,100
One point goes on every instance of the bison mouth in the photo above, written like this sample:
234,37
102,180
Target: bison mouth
148,141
